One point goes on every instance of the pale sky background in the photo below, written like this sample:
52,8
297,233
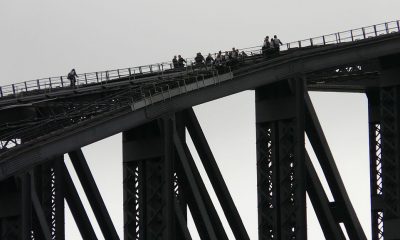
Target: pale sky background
49,37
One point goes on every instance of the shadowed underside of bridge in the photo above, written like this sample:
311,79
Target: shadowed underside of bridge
161,180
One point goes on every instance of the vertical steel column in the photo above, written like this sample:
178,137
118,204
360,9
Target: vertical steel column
375,156
26,207
133,175
10,205
390,132
181,205
148,181
168,127
49,185
280,160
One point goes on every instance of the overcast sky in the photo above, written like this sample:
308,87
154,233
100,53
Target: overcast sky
48,37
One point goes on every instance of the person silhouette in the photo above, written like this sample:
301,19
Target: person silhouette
72,77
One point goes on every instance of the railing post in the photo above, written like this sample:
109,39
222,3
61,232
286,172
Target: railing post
337,37
311,42
299,44
1,92
288,46
85,79
387,27
26,87
140,69
323,40
119,76
129,71
13,88
161,67
50,83
398,26
38,84
352,37
97,76
151,68
62,82
376,33
363,31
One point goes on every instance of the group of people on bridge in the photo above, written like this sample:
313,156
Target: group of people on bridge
271,47
229,58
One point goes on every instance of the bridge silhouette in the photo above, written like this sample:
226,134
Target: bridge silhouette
43,119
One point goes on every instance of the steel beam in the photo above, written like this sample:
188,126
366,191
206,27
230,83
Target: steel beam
49,189
260,75
390,143
37,206
168,124
215,176
375,156
77,209
320,202
93,194
280,160
195,191
181,219
10,209
321,148
215,220
49,185
179,181
26,206
134,194
148,181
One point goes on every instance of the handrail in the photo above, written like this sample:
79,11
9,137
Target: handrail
103,77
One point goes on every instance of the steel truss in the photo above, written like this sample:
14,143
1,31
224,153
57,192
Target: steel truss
37,202
384,138
280,161
283,113
162,181
186,188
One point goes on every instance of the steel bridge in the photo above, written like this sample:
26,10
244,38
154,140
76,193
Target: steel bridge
43,119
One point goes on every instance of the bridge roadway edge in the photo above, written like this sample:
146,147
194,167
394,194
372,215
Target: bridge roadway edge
22,159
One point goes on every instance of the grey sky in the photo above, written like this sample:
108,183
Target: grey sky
48,38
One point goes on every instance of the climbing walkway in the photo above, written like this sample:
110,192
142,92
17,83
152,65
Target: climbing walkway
136,88
104,78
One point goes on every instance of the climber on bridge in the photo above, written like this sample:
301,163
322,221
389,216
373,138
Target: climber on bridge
266,48
199,59
218,60
209,60
175,62
233,57
72,77
181,62
276,43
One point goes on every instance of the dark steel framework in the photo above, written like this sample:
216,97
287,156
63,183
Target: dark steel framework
161,180
384,138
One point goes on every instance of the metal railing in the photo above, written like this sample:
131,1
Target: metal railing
127,99
104,77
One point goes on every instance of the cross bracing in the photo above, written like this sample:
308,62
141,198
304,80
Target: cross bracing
43,119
